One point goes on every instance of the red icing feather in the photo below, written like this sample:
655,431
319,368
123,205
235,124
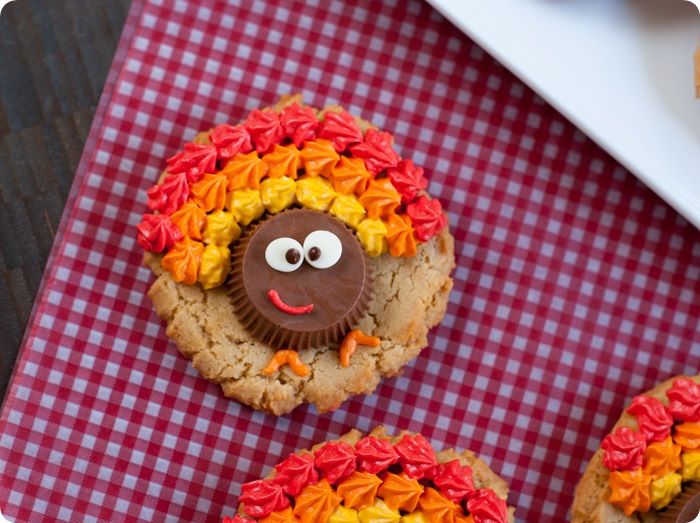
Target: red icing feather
653,417
336,460
624,449
295,472
416,456
157,232
262,497
427,217
168,196
454,480
377,151
157,199
375,455
684,396
230,140
341,129
485,506
195,160
299,124
265,129
407,179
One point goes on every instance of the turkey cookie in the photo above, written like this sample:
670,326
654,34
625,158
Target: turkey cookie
376,479
298,256
648,468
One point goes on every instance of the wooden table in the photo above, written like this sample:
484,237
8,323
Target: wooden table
54,58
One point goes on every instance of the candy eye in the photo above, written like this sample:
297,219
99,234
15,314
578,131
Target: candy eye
284,254
322,249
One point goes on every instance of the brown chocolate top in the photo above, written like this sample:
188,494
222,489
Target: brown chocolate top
337,295
685,508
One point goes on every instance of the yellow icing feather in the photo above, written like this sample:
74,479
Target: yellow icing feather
379,513
216,264
372,235
277,193
344,515
314,192
665,489
221,229
348,209
246,205
690,469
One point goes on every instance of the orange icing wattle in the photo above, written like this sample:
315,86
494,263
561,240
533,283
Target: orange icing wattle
380,199
190,219
283,516
349,345
319,158
437,508
400,492
244,171
399,234
359,490
286,357
687,435
316,502
210,191
630,490
661,458
350,176
284,160
183,260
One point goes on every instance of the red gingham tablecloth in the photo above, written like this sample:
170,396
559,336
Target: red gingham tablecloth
576,287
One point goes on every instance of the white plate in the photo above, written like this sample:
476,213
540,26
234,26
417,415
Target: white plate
621,70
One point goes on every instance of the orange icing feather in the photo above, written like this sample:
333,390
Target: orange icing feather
319,158
380,199
687,435
316,502
190,219
630,490
350,176
183,260
661,458
284,160
244,171
400,492
283,516
359,490
210,191
437,508
399,234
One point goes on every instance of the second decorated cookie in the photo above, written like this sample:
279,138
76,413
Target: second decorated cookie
298,256
648,468
376,479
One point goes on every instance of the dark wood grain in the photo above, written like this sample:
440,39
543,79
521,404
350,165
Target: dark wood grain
54,58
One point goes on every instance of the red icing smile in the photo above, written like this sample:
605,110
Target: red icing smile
274,297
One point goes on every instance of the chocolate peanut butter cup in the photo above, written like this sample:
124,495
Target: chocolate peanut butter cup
685,508
300,279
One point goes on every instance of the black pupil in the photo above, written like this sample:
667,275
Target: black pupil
314,253
293,256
